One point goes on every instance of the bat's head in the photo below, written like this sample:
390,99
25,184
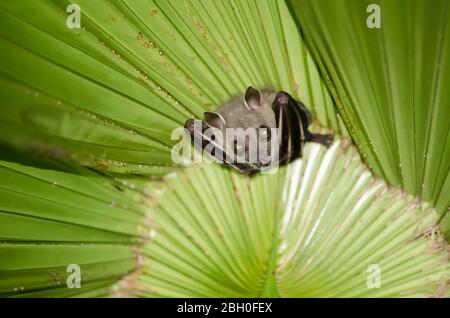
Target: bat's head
253,132
240,133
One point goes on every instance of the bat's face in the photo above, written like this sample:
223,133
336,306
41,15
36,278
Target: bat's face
253,132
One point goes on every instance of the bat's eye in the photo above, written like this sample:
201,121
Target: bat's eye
264,132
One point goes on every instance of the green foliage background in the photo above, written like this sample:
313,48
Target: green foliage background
87,116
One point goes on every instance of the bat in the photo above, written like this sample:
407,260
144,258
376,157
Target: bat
256,131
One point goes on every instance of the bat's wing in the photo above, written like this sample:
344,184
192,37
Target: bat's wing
291,130
306,115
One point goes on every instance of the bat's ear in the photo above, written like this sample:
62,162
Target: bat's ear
279,107
214,120
282,98
252,99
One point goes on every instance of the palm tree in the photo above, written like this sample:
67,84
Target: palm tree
87,179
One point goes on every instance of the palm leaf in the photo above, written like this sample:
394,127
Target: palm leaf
389,85
312,231
110,94
52,218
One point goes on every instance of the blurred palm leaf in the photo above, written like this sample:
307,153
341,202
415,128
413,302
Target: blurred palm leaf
389,85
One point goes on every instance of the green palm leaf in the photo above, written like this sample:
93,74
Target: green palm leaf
312,231
53,218
389,84
110,94
98,104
